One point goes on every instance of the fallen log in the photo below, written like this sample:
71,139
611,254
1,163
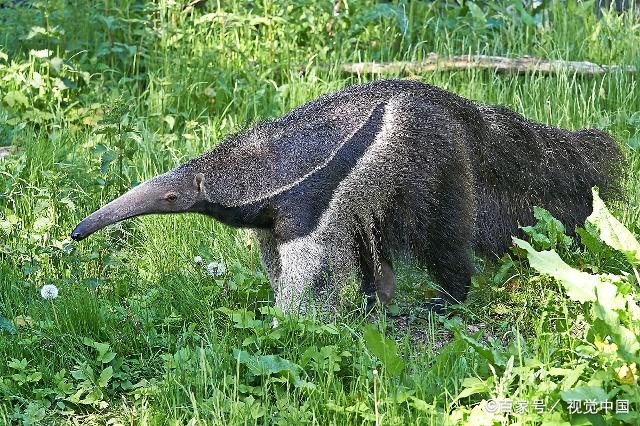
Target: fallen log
526,64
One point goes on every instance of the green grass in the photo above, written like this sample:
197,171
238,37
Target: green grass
189,79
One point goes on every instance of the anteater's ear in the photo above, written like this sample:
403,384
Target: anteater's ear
198,182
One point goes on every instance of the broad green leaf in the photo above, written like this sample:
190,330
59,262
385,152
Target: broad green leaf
607,293
102,348
84,372
75,398
580,286
34,377
14,97
612,232
359,408
634,141
267,365
607,323
548,232
106,357
106,159
584,393
477,12
582,419
627,342
571,375
7,325
491,355
105,376
584,287
34,413
589,238
547,220
242,318
332,406
472,386
18,364
422,405
93,283
94,396
385,350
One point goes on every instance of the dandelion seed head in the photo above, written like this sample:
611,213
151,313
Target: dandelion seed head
216,269
197,260
49,292
375,372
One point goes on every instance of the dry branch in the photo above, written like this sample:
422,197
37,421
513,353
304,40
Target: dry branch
336,10
526,64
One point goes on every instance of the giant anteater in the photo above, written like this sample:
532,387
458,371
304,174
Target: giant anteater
356,179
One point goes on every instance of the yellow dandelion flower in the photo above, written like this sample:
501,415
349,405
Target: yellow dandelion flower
627,374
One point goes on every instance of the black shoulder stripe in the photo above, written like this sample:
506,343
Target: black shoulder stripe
299,209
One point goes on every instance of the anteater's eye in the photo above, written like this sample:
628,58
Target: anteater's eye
172,196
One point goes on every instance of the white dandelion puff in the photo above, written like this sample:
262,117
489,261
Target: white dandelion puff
197,260
216,269
49,291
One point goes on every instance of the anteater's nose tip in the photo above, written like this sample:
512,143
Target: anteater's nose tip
76,235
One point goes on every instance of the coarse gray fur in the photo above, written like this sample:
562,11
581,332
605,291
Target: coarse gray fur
356,179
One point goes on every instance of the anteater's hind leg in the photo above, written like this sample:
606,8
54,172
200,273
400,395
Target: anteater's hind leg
385,282
452,269
450,234
377,280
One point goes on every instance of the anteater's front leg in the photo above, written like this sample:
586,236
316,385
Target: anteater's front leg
306,283
269,254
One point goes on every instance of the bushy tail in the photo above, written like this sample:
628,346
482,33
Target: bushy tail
520,164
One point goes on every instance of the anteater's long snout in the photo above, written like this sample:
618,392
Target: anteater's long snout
107,215
88,226
138,201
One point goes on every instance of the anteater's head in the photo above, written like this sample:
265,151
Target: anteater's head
177,191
